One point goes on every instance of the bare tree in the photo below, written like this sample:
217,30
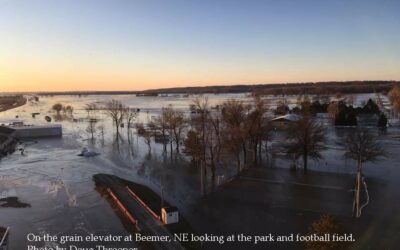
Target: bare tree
115,110
173,121
102,133
57,107
394,97
177,124
145,133
267,136
69,110
361,146
161,127
193,147
200,114
234,116
350,100
65,109
160,124
306,138
90,107
91,128
130,115
215,124
260,129
305,104
394,93
333,109
255,126
233,144
213,142
168,116
203,141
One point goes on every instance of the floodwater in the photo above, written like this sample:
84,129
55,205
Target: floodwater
58,184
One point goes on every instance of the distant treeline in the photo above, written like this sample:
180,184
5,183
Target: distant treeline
319,88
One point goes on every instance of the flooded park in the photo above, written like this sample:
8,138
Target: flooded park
173,125
56,193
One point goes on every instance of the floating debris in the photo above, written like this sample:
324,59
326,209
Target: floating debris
86,153
8,198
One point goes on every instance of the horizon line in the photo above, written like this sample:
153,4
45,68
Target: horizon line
198,86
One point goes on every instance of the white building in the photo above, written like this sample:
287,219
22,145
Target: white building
169,215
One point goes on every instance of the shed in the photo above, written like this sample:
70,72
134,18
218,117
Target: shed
169,215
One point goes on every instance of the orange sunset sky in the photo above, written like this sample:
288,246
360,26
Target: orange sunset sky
137,45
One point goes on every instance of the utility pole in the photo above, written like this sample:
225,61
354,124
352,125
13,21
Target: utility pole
162,192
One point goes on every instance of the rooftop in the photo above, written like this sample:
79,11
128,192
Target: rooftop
170,209
287,117
36,126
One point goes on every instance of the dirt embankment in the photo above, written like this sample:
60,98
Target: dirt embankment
11,102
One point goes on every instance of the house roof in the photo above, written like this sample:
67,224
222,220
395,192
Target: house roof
170,209
287,117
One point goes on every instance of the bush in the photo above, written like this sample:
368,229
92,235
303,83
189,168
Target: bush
57,107
351,119
370,107
382,122
326,224
282,110
346,117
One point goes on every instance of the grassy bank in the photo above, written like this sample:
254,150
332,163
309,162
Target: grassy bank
11,102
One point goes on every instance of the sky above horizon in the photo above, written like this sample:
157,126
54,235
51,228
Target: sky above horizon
69,45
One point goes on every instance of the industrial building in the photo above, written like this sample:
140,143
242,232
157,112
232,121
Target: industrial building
42,131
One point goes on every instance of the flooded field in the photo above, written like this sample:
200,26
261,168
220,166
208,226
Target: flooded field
57,183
